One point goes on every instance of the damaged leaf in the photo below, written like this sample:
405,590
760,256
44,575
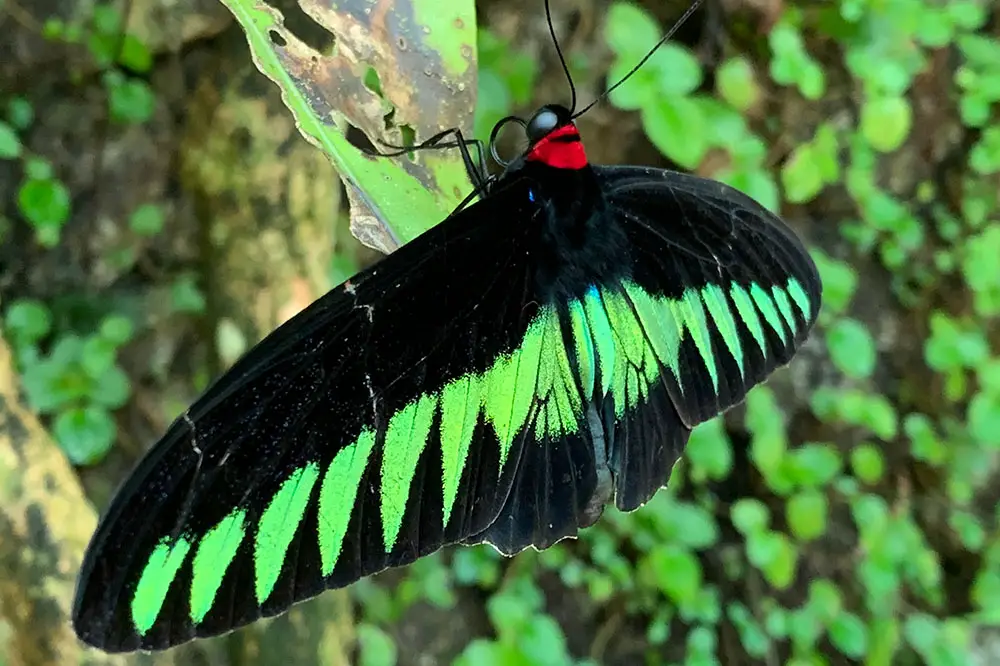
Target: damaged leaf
398,71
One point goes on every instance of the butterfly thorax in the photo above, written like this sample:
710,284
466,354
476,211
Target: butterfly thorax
580,245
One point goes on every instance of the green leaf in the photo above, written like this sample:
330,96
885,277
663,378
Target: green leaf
839,282
85,434
10,143
749,516
801,176
814,464
678,72
20,114
984,419
776,557
630,30
806,512
44,203
676,128
405,197
28,320
97,357
676,572
147,219
709,450
737,84
885,122
131,101
117,329
866,461
111,389
135,55
543,641
849,635
185,296
377,648
852,349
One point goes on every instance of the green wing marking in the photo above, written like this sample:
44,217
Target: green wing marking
154,583
337,496
278,525
626,343
216,551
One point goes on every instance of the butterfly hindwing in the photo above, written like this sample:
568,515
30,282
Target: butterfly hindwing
720,294
405,410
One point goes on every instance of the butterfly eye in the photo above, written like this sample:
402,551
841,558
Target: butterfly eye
544,121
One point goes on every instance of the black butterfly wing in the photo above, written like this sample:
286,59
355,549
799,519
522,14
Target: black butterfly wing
721,293
392,416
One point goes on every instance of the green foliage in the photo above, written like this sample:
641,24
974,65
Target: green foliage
77,381
506,81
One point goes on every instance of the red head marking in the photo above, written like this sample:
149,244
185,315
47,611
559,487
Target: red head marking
561,149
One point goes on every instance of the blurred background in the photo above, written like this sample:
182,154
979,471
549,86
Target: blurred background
160,212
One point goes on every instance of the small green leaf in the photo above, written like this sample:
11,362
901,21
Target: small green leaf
749,516
676,128
630,30
776,557
131,101
676,572
10,143
147,219
111,389
866,461
849,635
85,434
852,349
885,122
984,419
20,114
376,647
801,176
28,320
44,203
135,55
678,72
117,329
737,84
806,512
185,295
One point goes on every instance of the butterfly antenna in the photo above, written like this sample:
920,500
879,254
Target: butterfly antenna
663,40
562,59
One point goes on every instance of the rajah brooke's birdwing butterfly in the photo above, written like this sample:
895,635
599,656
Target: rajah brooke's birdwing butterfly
499,379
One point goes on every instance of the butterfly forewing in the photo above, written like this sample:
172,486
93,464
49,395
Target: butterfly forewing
385,420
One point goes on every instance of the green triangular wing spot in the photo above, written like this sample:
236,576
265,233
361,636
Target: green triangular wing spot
800,297
725,323
749,315
405,440
461,404
766,307
216,551
338,496
278,525
154,582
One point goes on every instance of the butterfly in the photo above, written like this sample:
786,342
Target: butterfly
500,379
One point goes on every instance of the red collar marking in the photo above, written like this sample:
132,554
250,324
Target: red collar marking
560,154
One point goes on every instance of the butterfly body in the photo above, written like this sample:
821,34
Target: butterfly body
499,379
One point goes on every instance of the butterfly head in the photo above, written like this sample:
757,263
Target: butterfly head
553,139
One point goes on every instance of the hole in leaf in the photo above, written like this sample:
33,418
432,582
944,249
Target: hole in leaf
372,82
276,38
304,27
409,135
360,140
